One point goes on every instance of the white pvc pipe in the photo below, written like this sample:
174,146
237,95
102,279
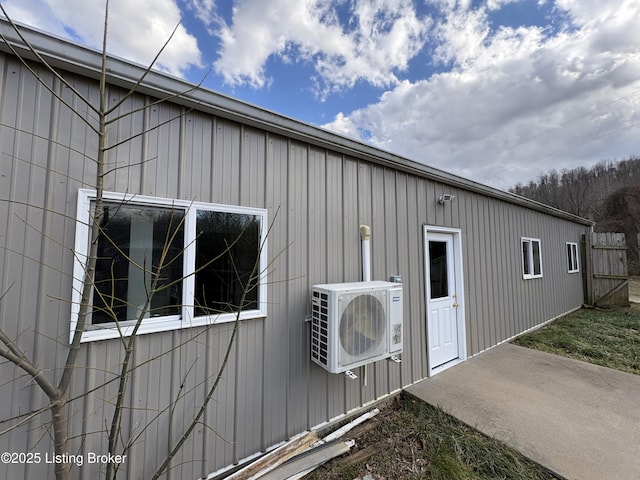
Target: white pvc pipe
365,235
348,427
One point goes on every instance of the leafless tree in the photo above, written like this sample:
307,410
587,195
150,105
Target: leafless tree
104,115
582,190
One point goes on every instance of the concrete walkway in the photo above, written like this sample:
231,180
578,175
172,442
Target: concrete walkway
580,420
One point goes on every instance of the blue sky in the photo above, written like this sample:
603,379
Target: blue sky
497,91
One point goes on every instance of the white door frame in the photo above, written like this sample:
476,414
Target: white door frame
456,233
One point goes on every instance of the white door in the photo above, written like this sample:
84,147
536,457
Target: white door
442,305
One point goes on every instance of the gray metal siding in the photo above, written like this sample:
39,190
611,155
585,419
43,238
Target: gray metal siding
316,198
276,340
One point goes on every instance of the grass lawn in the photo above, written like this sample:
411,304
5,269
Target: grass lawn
610,338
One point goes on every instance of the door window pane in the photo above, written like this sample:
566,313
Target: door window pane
438,269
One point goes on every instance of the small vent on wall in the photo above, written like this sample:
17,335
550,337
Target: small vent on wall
319,327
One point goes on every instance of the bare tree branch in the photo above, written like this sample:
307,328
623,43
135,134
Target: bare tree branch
137,85
45,63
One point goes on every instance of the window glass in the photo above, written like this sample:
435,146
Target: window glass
531,258
572,257
137,245
227,249
438,269
537,264
526,261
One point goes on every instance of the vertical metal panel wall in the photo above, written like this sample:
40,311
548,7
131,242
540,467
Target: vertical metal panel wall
316,198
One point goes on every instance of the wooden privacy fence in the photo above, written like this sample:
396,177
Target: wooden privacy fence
606,270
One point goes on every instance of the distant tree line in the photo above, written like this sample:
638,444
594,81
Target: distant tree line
607,193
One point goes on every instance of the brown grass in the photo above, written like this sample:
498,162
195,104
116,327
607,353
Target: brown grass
410,439
610,338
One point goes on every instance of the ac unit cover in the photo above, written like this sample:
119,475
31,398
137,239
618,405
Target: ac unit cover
362,327
353,324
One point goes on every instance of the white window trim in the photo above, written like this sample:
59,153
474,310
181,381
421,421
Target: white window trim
174,322
530,241
575,258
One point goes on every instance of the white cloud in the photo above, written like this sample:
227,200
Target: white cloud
379,40
344,126
461,36
498,4
516,102
205,10
137,29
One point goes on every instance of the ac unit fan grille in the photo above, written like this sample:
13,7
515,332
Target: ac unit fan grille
319,326
362,326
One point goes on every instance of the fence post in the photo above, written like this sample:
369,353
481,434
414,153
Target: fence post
587,251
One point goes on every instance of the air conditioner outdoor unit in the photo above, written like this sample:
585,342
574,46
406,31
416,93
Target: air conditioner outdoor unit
353,324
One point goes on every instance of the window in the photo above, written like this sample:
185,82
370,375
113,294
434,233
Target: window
531,258
196,257
130,251
226,251
572,257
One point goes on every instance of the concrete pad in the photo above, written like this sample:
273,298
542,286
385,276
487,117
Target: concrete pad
577,419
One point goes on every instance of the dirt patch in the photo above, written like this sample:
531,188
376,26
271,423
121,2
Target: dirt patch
409,439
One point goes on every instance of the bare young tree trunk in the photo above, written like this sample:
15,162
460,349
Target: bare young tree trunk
60,448
102,116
